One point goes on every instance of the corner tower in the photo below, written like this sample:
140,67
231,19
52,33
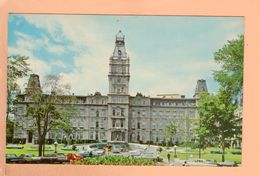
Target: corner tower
201,87
118,96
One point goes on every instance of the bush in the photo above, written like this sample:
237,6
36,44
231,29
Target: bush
115,160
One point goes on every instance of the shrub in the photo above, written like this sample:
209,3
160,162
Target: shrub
115,160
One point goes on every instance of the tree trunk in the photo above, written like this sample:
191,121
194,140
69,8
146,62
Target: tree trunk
199,152
43,146
223,150
40,147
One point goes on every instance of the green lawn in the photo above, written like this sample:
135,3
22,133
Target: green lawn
33,149
191,153
205,154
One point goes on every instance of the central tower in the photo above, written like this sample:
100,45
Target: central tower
118,97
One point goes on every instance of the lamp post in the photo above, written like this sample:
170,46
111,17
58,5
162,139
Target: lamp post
175,151
55,145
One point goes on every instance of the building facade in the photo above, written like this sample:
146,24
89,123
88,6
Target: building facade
117,116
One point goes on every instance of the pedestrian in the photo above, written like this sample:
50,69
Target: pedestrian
169,157
90,153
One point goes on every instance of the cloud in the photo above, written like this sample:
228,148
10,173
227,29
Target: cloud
173,68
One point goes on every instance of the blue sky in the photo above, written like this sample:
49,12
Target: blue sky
168,54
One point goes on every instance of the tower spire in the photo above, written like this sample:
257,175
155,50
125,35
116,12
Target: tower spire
120,51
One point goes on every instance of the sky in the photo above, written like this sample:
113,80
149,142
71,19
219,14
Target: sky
168,54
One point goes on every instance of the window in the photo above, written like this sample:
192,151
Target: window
113,123
114,112
122,112
91,135
138,125
96,135
122,123
96,124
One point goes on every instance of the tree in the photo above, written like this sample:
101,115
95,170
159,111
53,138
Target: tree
217,118
169,131
52,110
17,67
200,140
230,76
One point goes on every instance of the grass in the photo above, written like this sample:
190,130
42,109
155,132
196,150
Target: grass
191,153
28,150
205,154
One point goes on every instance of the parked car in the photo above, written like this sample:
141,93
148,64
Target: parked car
54,158
95,146
14,147
227,164
84,153
97,152
151,156
135,153
13,158
73,156
117,148
30,158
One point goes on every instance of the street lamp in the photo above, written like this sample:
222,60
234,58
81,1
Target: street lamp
55,145
175,151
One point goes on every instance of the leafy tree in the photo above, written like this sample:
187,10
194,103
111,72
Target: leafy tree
200,141
52,110
218,123
17,67
169,131
230,76
217,119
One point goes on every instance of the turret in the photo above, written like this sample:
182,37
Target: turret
33,84
201,87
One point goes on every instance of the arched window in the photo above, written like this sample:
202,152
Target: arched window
138,125
97,113
122,123
122,112
114,112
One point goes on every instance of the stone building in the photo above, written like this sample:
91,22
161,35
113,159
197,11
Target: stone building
118,116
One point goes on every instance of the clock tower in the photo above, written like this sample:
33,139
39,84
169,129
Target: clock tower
118,97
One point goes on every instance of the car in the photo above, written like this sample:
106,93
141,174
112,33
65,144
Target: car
14,147
135,153
13,158
227,164
54,158
30,158
95,146
151,156
98,152
117,149
73,156
84,153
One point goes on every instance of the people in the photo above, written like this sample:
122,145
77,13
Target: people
90,154
169,157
